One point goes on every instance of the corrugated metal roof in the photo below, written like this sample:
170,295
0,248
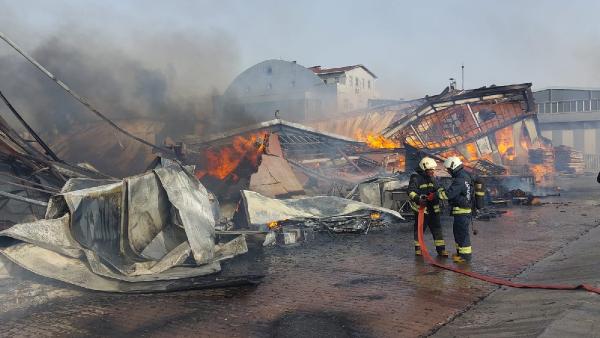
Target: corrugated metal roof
322,71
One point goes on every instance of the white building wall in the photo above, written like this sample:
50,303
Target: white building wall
355,90
547,134
567,137
589,137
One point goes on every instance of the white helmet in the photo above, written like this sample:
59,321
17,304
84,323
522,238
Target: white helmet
452,162
427,163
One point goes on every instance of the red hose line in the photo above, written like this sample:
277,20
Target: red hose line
497,281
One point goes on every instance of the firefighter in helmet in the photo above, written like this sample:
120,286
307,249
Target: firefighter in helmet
423,190
460,198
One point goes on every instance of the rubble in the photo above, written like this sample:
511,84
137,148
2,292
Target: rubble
156,231
150,232
330,213
30,172
569,160
291,160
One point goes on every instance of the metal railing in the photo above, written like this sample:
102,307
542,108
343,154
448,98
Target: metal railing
570,106
592,162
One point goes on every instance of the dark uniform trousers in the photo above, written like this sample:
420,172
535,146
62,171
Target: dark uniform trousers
460,228
432,221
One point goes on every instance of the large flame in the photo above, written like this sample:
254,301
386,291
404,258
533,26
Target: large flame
505,143
376,141
541,171
221,162
471,151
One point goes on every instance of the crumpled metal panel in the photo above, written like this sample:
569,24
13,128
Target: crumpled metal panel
168,239
85,183
261,210
52,234
53,265
96,219
370,193
147,211
174,219
194,208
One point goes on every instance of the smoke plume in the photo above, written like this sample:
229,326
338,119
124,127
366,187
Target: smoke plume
169,78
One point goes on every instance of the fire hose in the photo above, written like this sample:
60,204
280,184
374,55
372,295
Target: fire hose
498,281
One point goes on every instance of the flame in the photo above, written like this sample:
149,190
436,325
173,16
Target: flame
221,163
524,144
471,151
376,141
505,143
540,171
273,225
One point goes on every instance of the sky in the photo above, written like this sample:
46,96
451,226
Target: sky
414,47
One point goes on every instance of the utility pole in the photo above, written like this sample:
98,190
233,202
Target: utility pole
462,71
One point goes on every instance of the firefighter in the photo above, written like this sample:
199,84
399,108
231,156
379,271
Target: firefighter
460,199
423,191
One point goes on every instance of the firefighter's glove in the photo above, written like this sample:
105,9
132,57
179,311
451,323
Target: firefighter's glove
423,200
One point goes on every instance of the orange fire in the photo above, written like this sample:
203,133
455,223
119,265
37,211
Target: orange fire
376,141
540,171
524,144
221,162
504,141
273,225
471,151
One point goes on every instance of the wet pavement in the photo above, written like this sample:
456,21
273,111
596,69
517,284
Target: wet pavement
349,285
510,312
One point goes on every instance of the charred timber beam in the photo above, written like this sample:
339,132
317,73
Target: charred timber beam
23,199
350,161
27,187
30,182
39,140
18,140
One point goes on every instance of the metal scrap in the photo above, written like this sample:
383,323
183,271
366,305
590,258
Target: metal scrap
151,232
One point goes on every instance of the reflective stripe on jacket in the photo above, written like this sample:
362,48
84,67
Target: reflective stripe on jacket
460,193
421,184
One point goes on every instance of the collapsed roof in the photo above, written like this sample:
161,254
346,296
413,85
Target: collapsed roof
290,153
477,125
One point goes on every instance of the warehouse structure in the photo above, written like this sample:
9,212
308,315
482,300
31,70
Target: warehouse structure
571,117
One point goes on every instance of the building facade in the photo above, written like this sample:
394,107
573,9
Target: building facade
571,117
354,85
295,92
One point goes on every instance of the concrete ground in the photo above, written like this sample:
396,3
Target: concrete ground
351,285
510,312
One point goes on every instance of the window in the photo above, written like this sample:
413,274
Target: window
337,79
369,84
350,78
269,70
363,83
356,84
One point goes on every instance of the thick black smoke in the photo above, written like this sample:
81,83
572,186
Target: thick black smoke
170,78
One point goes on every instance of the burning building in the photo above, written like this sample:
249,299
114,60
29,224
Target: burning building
278,159
492,129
